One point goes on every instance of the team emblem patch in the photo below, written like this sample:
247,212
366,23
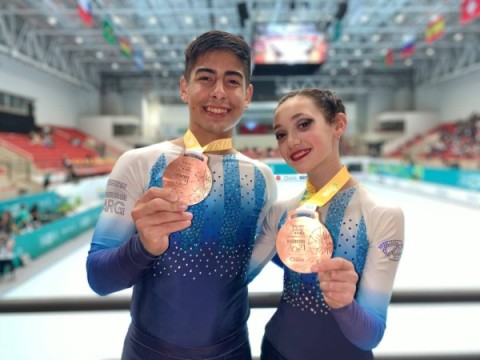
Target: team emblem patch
392,249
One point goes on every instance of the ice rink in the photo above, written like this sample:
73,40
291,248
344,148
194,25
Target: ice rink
442,249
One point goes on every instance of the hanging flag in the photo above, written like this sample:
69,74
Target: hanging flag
389,60
108,33
408,48
435,29
125,47
469,10
138,58
336,30
85,11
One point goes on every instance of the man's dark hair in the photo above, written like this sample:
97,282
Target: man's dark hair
218,40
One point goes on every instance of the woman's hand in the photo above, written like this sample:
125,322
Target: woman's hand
338,281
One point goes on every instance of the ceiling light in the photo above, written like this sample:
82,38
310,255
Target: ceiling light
149,54
458,37
52,20
364,19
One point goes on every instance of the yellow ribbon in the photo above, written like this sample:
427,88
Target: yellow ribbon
191,143
328,191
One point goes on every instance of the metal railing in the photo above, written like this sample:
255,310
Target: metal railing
257,301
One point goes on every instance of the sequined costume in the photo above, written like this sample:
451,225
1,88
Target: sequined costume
364,231
192,301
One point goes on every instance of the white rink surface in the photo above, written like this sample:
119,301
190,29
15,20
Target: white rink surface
441,253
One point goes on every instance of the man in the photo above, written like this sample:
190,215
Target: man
180,219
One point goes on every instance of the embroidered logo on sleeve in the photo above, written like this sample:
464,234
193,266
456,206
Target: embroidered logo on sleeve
115,197
392,249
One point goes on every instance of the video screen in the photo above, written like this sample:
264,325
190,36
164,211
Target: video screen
288,44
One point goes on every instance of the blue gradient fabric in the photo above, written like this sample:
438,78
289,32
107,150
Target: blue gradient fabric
365,231
194,296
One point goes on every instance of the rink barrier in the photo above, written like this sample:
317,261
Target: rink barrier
257,301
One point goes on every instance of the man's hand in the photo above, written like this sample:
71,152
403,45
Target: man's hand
157,214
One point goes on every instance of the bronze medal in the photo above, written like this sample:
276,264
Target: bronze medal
189,177
303,240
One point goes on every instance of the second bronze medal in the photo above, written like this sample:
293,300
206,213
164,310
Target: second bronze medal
302,241
189,177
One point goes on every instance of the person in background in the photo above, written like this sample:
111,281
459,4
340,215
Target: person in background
7,244
24,219
337,289
180,219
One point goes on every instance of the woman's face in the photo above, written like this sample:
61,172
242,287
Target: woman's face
305,140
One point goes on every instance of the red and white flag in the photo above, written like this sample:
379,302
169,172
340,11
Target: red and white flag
469,10
85,11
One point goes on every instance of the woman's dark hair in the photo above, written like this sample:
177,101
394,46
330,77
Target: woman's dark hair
325,100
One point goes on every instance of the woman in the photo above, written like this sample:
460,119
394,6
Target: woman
337,287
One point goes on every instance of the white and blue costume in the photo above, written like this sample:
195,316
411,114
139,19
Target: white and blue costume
192,301
367,233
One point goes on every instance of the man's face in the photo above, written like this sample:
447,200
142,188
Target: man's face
216,94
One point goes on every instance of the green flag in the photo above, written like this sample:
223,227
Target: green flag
336,31
108,33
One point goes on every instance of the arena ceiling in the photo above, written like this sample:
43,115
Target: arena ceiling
50,35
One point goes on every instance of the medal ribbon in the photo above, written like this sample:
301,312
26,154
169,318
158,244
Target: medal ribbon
191,143
312,198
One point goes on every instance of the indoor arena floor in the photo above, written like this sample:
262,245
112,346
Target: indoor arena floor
442,250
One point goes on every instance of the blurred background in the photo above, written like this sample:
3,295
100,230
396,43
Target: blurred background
83,81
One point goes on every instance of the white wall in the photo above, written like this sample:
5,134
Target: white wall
173,121
378,100
57,102
454,99
101,128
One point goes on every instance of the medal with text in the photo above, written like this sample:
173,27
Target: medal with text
303,240
189,177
